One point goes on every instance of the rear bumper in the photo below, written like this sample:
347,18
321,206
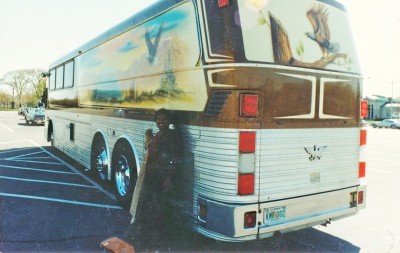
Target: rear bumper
226,222
38,120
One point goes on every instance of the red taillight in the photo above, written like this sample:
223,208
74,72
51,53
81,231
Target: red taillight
247,149
247,142
250,219
246,184
249,105
361,169
364,108
363,137
223,3
360,197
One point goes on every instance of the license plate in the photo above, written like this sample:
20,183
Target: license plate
275,215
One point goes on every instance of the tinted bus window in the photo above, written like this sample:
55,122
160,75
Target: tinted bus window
69,75
224,31
59,77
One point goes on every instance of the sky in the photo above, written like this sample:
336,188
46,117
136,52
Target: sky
376,29
33,33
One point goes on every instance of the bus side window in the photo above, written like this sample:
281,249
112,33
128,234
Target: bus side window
69,74
52,82
60,77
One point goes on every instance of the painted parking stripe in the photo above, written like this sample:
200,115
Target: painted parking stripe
46,182
38,162
34,159
24,155
41,170
60,200
12,150
110,195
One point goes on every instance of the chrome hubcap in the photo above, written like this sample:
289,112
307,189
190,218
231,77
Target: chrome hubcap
122,175
102,164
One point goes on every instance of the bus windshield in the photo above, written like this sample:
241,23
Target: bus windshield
268,31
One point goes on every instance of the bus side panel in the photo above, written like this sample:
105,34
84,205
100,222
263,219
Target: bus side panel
85,127
151,66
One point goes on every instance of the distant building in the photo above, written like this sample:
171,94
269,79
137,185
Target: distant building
381,107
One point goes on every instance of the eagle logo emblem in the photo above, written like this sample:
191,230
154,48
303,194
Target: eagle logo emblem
315,152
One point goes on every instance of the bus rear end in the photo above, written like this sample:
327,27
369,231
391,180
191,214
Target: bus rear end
280,148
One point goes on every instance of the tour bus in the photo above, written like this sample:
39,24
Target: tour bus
268,96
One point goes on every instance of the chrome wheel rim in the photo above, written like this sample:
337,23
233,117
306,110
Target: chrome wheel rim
122,175
102,163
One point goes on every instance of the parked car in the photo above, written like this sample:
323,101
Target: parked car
27,109
22,110
392,123
35,115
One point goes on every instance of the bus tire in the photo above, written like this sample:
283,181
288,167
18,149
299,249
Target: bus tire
124,173
99,158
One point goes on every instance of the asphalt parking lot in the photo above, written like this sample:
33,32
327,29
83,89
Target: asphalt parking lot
46,204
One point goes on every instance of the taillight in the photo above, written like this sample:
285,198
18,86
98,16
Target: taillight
360,197
362,164
248,105
246,184
246,164
223,3
363,137
247,142
361,169
364,108
250,219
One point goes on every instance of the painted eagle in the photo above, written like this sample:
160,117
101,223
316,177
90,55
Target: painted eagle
318,17
152,47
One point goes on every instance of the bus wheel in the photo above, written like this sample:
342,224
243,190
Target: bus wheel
124,174
100,159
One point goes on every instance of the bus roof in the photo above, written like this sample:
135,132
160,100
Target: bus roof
125,25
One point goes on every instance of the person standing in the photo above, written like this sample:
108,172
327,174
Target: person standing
157,213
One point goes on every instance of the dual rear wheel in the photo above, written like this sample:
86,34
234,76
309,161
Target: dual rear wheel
123,168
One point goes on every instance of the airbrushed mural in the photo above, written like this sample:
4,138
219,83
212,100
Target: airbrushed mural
298,33
149,66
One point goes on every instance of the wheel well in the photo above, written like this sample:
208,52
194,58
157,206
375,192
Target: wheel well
98,137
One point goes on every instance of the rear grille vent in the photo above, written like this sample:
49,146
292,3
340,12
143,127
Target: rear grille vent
216,103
